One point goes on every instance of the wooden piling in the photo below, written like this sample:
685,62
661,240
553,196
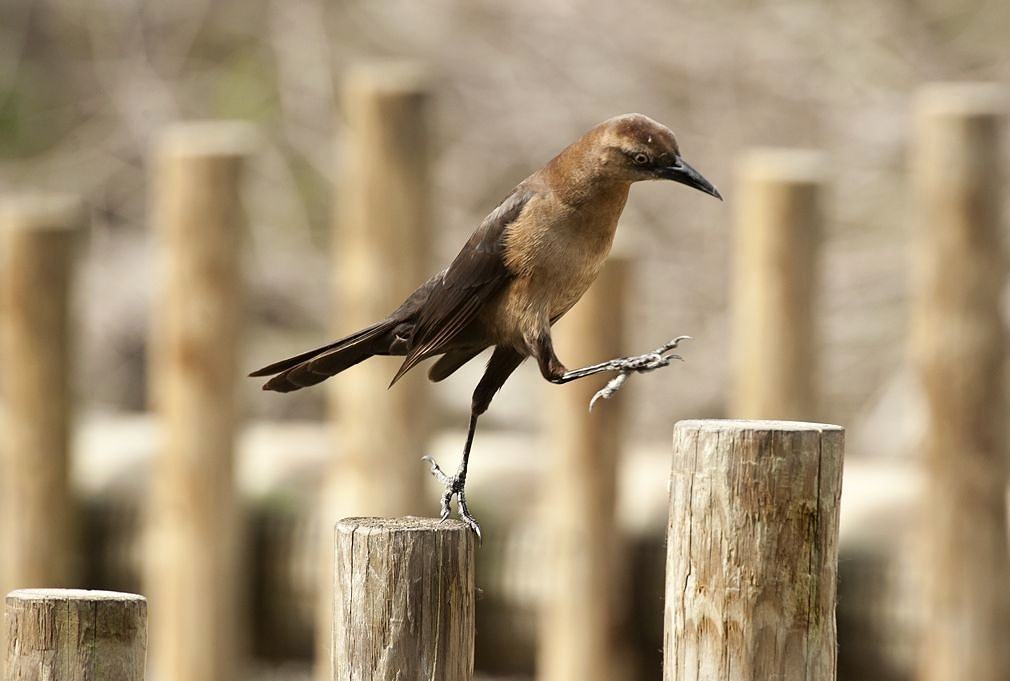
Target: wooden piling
193,570
73,635
381,247
38,244
779,221
752,554
959,350
37,248
579,617
405,600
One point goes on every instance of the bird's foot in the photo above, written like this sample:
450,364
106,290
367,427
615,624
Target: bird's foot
454,487
640,364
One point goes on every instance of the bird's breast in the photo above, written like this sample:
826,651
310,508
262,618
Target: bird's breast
556,252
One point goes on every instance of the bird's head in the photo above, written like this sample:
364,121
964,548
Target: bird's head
634,147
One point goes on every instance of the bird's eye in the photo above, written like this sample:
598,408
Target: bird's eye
640,158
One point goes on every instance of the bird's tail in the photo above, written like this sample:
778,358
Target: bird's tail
317,365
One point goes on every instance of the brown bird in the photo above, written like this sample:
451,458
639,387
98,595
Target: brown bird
524,267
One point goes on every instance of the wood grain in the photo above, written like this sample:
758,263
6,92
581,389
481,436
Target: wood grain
73,635
405,600
752,554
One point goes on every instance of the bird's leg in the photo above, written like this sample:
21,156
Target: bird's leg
554,371
454,485
503,362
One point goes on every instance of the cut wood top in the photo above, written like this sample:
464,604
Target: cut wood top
404,524
71,595
737,425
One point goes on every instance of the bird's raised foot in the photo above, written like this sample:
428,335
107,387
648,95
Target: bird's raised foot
454,487
625,366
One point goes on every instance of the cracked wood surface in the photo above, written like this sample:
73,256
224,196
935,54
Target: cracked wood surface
404,601
752,557
74,635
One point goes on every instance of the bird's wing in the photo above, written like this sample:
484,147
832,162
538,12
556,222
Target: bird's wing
456,295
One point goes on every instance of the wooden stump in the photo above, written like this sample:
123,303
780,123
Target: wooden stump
73,635
959,348
779,223
753,551
405,600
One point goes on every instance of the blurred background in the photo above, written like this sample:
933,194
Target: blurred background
88,89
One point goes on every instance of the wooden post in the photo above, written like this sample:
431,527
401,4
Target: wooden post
579,618
36,506
74,635
405,600
193,570
778,227
752,552
381,245
959,346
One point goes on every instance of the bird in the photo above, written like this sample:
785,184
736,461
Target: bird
527,263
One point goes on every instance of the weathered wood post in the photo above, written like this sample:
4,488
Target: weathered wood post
37,236
405,600
193,569
752,552
579,614
381,242
959,348
778,228
73,635
38,244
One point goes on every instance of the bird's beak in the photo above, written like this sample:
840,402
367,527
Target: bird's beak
681,172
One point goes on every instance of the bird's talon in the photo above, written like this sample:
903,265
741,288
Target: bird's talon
437,471
675,342
464,515
607,391
475,528
601,394
641,364
453,488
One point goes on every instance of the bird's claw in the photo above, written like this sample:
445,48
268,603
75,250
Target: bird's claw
453,488
469,520
436,470
607,391
640,364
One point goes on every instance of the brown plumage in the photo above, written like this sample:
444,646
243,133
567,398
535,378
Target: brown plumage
525,266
